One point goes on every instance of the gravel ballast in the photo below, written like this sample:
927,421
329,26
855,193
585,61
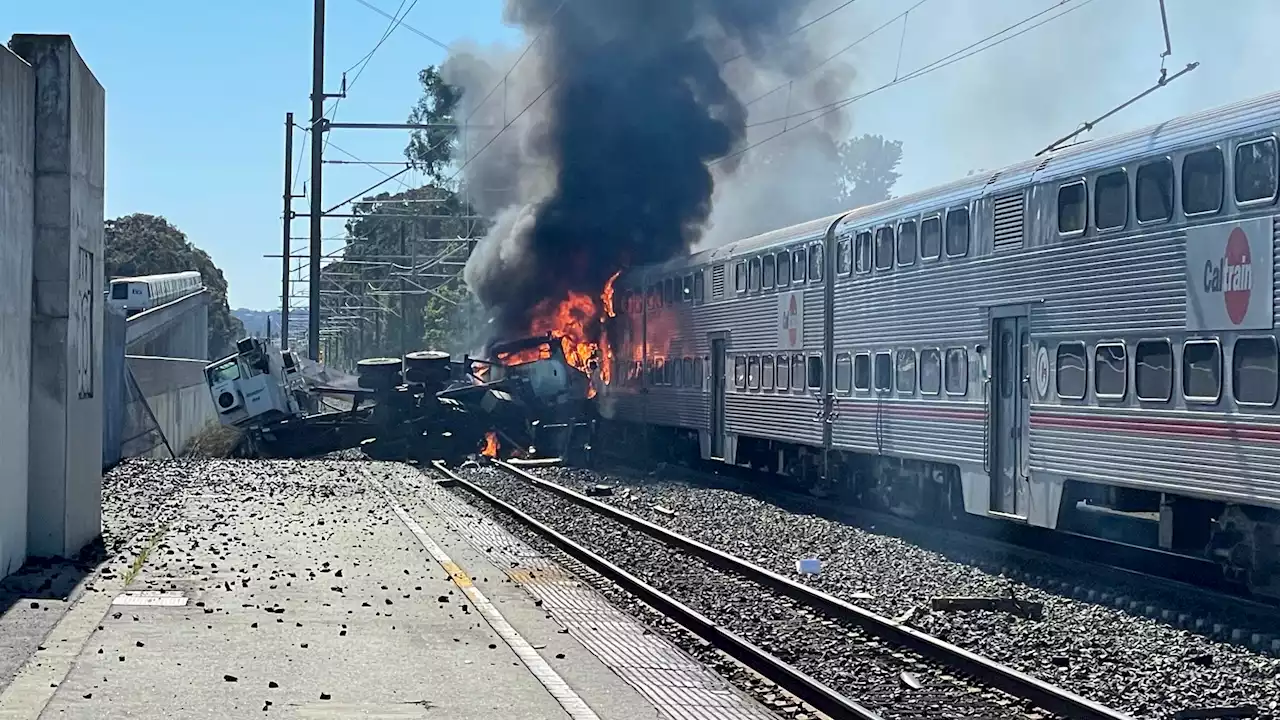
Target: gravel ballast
1132,663
841,656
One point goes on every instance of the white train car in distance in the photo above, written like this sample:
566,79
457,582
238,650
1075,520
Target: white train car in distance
132,295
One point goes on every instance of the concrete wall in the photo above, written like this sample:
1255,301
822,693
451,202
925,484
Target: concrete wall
179,329
64,508
17,167
114,388
175,390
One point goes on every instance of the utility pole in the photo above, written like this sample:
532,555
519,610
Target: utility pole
288,224
317,170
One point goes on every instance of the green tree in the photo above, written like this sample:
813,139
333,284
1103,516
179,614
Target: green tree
415,240
870,169
431,149
142,244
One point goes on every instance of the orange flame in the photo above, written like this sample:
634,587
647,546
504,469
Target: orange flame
569,320
490,445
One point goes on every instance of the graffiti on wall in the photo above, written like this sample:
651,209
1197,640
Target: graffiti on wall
82,318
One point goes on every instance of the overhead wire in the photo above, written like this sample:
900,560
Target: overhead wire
962,54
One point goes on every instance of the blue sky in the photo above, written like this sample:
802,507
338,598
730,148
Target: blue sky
197,92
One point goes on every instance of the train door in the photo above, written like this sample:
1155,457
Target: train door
1009,410
717,397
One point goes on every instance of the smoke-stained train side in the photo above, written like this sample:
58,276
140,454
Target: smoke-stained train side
1084,341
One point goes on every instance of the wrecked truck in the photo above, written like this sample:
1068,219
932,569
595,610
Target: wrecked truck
526,400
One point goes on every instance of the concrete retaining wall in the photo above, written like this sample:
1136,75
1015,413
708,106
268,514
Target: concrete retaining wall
64,498
115,393
176,392
17,215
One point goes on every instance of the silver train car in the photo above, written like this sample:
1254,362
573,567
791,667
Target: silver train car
1084,341
132,295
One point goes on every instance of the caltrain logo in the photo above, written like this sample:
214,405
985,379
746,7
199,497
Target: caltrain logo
1232,275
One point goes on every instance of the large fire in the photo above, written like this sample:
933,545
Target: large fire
578,322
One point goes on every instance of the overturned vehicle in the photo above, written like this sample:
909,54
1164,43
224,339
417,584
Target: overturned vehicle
525,401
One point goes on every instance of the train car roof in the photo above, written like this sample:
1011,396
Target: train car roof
1205,127
161,276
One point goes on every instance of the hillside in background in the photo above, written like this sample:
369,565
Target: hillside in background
255,321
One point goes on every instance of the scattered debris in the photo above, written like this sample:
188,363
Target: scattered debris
910,680
664,510
808,566
600,490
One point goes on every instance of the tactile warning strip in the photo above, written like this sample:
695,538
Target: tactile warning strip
680,687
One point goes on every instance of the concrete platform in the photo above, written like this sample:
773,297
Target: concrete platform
309,590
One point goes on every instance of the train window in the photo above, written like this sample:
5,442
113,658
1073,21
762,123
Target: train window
1073,371
1254,363
816,258
930,371
669,291
1202,180
753,372
784,268
884,372
697,372
958,232
957,376
1111,200
1255,172
784,372
766,372
699,286
753,274
677,372
119,291
1110,371
1201,370
844,258
884,248
861,251
1073,208
769,272
862,372
814,372
844,372
931,238
740,371
1153,191
906,371
797,372
740,277
907,243
799,264
1153,370
688,288
690,379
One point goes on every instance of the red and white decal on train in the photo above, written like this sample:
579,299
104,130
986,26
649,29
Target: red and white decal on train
791,320
1229,276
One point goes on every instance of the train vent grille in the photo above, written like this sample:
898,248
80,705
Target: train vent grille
717,281
1008,221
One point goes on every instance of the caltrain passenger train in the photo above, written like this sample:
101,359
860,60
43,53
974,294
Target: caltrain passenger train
132,295
1083,341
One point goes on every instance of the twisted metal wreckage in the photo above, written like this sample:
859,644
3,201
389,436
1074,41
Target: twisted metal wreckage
526,401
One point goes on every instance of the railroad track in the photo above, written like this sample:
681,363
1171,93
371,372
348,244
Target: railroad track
874,666
1187,593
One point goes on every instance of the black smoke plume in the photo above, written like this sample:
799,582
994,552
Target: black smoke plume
638,107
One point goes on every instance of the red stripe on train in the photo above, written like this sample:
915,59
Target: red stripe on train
1225,429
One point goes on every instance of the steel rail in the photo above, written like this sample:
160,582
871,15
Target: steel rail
789,678
1048,697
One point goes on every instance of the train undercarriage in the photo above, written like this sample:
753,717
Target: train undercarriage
1243,541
